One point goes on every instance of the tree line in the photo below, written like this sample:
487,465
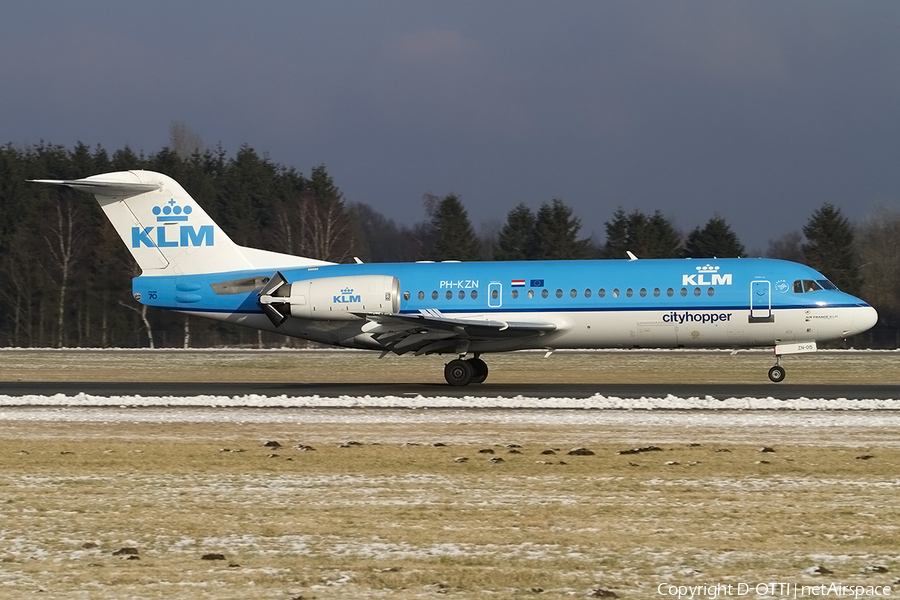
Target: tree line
66,277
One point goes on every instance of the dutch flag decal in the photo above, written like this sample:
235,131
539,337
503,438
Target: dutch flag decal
518,283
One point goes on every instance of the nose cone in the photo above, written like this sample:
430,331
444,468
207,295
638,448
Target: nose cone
864,318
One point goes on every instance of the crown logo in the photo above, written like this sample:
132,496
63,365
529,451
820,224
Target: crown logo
708,269
347,290
172,212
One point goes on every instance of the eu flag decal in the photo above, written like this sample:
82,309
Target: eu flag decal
537,283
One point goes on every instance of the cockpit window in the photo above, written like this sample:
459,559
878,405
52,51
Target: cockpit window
811,286
802,286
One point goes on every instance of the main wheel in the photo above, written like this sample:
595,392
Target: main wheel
458,372
777,373
479,368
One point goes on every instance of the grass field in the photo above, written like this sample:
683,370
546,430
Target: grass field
390,511
391,520
336,366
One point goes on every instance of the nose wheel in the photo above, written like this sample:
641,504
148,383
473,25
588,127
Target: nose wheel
777,373
460,372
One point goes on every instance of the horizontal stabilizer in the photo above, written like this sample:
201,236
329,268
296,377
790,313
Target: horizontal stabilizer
114,189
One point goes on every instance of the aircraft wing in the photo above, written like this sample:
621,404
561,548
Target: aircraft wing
431,331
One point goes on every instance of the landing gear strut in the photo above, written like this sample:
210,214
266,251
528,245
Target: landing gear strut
777,373
460,372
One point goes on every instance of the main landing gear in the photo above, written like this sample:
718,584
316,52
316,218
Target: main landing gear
459,372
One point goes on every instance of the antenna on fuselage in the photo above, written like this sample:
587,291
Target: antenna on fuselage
631,256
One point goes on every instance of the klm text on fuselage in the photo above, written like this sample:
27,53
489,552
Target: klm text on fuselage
700,279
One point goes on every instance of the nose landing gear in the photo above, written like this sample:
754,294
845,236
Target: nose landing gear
460,372
777,373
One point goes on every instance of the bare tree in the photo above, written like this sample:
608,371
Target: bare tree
187,332
65,243
183,141
284,216
325,230
142,311
878,246
787,247
315,227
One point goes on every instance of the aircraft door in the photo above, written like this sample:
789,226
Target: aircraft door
760,299
495,294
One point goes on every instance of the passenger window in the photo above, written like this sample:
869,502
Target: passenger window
434,295
495,294
407,295
449,295
544,293
670,292
643,292
531,293
601,293
421,295
574,293
697,292
656,292
587,293
711,292
514,294
462,295
684,292
616,293
559,293
474,294
629,292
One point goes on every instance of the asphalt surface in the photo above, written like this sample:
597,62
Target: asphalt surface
782,391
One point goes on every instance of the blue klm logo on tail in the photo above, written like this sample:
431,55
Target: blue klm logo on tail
166,237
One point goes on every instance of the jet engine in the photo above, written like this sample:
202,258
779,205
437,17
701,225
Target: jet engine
329,298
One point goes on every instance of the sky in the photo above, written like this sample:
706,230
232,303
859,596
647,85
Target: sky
758,111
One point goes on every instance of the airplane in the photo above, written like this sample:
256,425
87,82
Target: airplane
191,266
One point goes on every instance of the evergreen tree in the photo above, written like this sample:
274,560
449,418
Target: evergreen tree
556,233
454,238
13,188
245,196
643,236
714,240
829,248
617,241
125,160
325,226
664,241
518,238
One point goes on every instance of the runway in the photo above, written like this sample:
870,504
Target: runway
717,391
